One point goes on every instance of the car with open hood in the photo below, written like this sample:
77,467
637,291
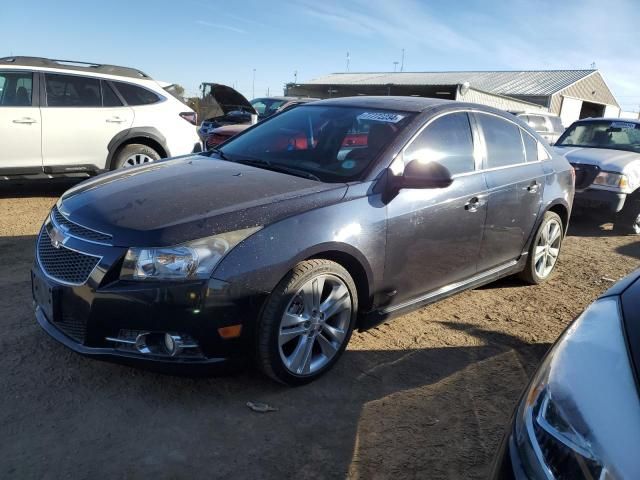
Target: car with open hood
605,154
277,245
222,105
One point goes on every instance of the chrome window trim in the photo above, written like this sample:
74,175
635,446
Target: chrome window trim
69,234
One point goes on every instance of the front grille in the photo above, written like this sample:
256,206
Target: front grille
63,264
77,230
73,327
585,174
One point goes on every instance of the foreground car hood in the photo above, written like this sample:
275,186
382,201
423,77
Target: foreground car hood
608,160
170,202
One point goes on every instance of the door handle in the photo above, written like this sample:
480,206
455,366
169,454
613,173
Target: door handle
115,120
472,205
27,120
533,188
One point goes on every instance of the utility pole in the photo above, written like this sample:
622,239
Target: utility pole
348,59
253,85
395,66
402,63
295,76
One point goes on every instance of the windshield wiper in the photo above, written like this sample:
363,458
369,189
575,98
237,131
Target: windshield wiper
278,168
220,153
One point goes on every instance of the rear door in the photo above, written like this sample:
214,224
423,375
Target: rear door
515,178
81,116
20,123
434,235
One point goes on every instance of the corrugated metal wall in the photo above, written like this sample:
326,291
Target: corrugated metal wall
498,101
583,90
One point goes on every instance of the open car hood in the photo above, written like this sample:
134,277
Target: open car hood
219,100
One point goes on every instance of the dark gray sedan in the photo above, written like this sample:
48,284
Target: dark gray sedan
326,217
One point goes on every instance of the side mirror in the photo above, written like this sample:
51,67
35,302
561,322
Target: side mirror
418,174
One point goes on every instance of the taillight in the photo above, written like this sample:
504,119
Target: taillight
191,117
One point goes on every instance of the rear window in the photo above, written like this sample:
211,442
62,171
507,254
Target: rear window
135,95
502,140
72,91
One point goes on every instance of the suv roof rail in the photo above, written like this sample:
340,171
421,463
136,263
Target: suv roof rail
74,65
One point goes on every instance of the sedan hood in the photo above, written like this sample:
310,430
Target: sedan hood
174,201
607,159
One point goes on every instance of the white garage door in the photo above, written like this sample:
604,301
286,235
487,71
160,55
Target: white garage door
570,110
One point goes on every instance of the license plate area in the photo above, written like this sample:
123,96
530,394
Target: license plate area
45,296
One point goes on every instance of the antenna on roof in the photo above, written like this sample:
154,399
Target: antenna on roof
593,65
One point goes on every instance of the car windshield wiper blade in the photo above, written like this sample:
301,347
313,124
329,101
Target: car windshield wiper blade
267,165
219,152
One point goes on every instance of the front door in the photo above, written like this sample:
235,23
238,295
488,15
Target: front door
20,124
81,117
515,178
434,235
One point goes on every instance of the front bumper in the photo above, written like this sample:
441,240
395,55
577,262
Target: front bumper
84,317
600,199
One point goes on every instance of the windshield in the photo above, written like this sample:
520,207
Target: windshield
611,134
332,144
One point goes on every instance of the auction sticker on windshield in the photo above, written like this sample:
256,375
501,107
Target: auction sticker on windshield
623,125
381,117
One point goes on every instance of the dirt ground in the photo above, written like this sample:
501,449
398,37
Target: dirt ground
426,395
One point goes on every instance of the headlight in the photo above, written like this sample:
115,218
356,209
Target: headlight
188,261
612,180
580,418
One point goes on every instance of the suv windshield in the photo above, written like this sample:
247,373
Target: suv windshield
331,144
611,134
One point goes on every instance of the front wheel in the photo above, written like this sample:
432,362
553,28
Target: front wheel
307,322
544,250
627,221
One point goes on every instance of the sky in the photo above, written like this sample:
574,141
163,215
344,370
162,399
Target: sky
189,42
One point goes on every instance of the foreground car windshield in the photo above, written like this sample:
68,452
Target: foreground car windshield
616,135
332,144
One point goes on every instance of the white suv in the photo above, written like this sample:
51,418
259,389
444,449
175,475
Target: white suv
59,117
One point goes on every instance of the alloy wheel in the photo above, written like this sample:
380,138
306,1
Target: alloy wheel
136,159
315,324
547,248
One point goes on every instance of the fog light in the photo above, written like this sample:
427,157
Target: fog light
171,344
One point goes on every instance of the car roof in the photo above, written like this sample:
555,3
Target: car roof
74,66
407,104
606,119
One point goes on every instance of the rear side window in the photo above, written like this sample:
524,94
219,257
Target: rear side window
109,98
502,140
16,89
135,95
530,147
72,91
448,141
538,123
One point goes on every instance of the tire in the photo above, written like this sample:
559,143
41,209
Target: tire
627,221
543,254
292,320
134,154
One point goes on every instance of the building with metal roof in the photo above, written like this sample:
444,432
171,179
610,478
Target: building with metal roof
571,94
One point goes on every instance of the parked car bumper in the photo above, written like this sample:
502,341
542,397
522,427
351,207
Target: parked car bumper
601,199
92,321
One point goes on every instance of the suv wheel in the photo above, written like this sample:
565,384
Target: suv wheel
307,322
544,250
627,221
135,154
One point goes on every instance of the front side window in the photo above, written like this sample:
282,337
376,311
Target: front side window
448,141
72,91
135,95
16,89
502,141
614,135
328,143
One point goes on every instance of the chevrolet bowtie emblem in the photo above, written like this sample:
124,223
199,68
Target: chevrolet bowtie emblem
58,237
